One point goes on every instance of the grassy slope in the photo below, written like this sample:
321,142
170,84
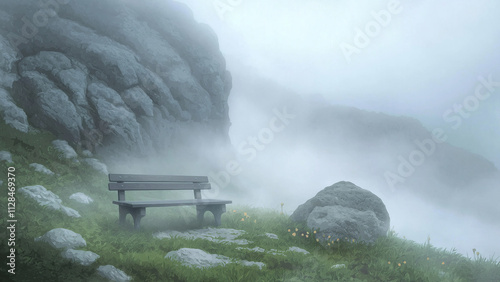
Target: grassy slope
142,256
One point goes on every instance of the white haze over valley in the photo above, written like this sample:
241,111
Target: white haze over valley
426,62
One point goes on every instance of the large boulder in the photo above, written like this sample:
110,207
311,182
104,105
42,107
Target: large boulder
345,210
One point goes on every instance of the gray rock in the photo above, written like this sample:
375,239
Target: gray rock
47,106
141,69
11,113
201,259
112,110
8,57
298,250
137,100
252,263
41,168
80,257
48,199
64,148
81,198
272,236
5,156
217,235
97,165
338,266
112,273
345,210
62,238
1,182
197,258
255,249
87,153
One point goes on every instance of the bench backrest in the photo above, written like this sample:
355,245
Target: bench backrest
140,182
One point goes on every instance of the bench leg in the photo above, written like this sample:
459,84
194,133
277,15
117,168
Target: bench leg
137,215
200,212
123,214
216,210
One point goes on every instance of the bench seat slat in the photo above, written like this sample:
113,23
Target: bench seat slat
157,186
155,178
170,203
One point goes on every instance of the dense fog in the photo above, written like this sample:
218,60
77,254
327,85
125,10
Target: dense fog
434,63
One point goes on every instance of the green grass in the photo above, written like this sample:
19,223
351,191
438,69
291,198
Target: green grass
142,256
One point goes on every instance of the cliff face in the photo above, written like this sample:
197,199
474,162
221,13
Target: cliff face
111,73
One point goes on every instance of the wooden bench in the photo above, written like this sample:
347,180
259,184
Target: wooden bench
135,182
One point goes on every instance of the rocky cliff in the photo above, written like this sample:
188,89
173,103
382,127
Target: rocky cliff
111,73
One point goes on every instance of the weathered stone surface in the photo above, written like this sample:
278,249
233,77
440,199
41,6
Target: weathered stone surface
345,210
62,238
218,235
272,236
201,259
197,258
112,273
47,198
81,198
41,168
11,113
64,148
80,257
298,250
97,165
138,69
5,157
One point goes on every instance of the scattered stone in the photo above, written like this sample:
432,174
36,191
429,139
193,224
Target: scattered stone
256,249
112,273
80,257
62,238
345,210
201,259
5,156
197,258
48,199
297,250
97,165
81,198
252,263
272,236
64,148
217,235
41,168
275,252
338,266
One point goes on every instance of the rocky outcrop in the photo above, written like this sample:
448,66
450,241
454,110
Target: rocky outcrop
345,210
110,74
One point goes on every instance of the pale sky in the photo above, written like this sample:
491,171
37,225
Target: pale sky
426,58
